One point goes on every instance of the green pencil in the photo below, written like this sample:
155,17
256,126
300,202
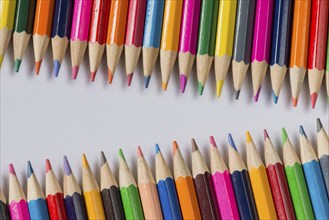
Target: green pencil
206,41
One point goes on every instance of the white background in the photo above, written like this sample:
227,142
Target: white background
46,117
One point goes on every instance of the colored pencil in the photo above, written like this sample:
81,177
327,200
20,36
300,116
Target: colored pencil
75,208
110,192
17,201
3,207
185,186
313,176
323,152
115,35
35,197
166,188
169,39
7,15
260,56
152,37
79,33
317,47
299,47
206,41
241,183
244,27
222,184
23,29
224,41
327,65
204,185
278,181
97,34
128,189
188,39
54,195
147,189
280,45
296,180
43,20
134,36
60,33
259,182
91,192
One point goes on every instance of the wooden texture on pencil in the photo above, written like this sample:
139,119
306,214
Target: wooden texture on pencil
185,186
3,206
224,41
259,182
323,152
23,29
170,38
299,47
278,181
204,185
244,27
115,35
317,47
296,180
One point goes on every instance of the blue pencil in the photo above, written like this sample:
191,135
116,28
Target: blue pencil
323,152
313,176
35,197
152,37
166,188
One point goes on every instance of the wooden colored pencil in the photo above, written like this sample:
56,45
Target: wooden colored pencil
224,41
128,189
259,182
206,41
116,35
91,192
278,181
60,34
317,47
170,38
79,33
260,56
97,34
7,16
296,180
280,48
75,208
299,47
241,183
166,188
244,27
35,197
185,186
17,201
313,176
152,37
134,36
222,184
23,29
43,20
323,152
3,207
54,195
204,186
147,189
188,39
327,67
110,192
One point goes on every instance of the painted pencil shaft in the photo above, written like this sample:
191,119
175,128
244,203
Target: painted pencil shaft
323,152
3,207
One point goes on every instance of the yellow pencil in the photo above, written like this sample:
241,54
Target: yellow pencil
224,41
259,182
7,16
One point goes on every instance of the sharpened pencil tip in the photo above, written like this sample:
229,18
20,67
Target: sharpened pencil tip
183,82
174,147
109,76
140,152
284,135
17,65
157,148
103,158
57,66
121,155
37,67
12,169
75,70
256,96
129,78
194,145
318,125
147,81
1,59
85,161
302,131
48,166
275,98
29,169
231,142
219,87
66,166
200,88
237,94
92,76
266,135
212,141
314,97
164,86
248,137
294,102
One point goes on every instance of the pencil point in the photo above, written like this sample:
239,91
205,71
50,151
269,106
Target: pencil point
121,155
212,141
257,95
231,142
157,148
200,88
110,76
48,166
248,137
92,76
37,67
17,65
174,147
147,81
57,66
1,59
164,86
12,169
66,166
318,125
75,70
266,135
237,94
284,135
103,158
183,82
275,97
85,161
314,97
302,131
129,78
194,145
29,169
139,152
219,87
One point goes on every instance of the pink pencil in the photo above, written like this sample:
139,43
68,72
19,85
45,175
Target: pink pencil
17,200
188,39
79,33
222,184
260,56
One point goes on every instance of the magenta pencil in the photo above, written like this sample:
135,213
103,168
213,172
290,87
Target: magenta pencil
260,56
188,39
